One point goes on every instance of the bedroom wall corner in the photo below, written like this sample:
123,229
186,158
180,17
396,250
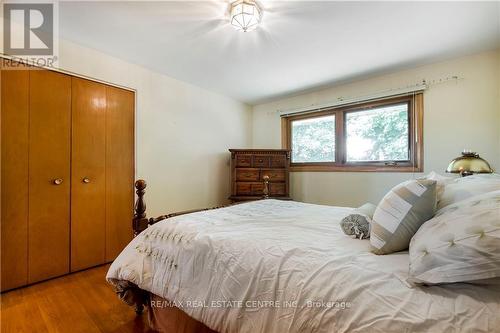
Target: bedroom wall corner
182,131
457,115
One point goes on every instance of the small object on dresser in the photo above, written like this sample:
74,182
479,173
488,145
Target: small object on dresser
259,173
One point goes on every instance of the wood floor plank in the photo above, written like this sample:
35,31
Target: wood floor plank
78,302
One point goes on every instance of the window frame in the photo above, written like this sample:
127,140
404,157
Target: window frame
415,133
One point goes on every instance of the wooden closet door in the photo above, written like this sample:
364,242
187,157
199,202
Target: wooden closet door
119,169
14,225
49,175
88,199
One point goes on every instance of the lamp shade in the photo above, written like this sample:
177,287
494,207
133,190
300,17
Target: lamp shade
469,163
245,15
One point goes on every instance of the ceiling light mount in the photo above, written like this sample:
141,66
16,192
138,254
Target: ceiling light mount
245,15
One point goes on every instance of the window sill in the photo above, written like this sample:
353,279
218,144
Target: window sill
355,168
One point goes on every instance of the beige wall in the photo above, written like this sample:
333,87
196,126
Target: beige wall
457,115
182,131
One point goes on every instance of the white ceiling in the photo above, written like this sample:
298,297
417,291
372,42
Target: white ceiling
299,46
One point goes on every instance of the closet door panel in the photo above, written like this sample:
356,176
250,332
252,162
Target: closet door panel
49,174
14,196
119,169
88,210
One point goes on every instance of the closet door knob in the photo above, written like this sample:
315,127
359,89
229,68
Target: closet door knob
58,181
86,180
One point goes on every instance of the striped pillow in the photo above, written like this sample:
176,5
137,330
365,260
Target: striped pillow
400,213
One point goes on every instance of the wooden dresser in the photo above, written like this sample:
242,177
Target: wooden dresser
250,166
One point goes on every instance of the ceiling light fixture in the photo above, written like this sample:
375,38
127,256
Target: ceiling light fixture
245,15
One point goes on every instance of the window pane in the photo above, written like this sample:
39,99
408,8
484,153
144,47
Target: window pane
313,140
379,134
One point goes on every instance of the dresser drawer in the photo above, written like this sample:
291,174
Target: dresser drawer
243,188
277,189
278,161
260,161
258,189
243,161
274,175
250,189
247,174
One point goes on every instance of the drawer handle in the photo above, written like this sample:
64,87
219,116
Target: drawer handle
273,175
58,181
248,175
260,161
86,180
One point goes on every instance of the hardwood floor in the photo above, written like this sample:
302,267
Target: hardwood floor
79,302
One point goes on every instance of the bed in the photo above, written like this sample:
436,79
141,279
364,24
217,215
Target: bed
283,266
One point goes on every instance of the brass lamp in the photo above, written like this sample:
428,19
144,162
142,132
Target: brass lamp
468,164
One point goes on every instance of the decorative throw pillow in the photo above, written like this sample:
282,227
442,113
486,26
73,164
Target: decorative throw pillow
460,244
400,213
357,224
466,187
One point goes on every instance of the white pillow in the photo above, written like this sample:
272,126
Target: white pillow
441,182
460,244
466,187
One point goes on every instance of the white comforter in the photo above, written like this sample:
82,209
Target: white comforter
309,276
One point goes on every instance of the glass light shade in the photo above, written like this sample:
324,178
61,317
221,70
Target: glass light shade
468,164
245,15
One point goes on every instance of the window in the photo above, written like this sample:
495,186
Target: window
384,135
313,139
379,134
